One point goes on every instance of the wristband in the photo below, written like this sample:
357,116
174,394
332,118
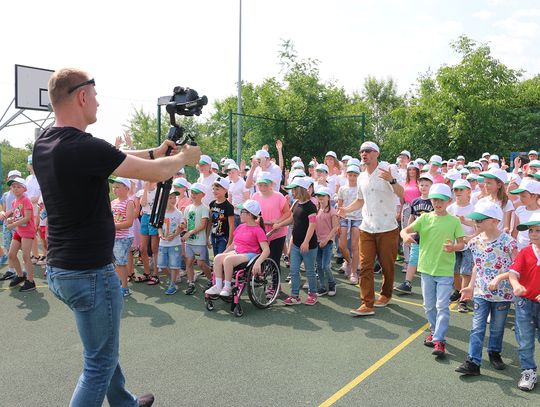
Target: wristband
151,154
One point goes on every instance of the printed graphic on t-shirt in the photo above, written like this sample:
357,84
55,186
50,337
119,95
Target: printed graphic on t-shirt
191,224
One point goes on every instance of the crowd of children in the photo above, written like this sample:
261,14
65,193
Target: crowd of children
471,229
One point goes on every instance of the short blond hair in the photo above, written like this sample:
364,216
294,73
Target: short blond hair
61,81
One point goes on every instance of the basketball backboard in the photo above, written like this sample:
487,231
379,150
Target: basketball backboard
31,86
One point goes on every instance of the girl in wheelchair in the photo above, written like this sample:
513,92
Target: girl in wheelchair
249,240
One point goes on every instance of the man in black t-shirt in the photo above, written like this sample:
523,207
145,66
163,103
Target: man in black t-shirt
72,168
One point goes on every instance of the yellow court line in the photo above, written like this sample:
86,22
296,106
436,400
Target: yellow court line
364,375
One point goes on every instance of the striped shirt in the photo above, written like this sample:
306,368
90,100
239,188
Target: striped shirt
119,211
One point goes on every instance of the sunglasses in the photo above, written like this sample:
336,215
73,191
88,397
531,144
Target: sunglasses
80,85
478,221
367,151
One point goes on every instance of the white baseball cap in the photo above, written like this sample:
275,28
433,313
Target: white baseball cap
251,206
494,157
440,191
205,159
14,173
407,153
533,152
229,161
346,158
181,183
222,182
486,154
513,177
214,166
353,168
453,175
121,180
369,145
331,154
533,221
18,180
528,184
461,184
496,173
198,187
451,161
262,154
295,158
534,163
420,161
413,164
436,160
322,167
303,182
232,167
425,175
264,178
464,171
460,157
298,165
486,209
323,191
354,161
297,173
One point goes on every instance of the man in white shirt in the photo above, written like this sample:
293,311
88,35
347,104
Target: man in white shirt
379,232
262,163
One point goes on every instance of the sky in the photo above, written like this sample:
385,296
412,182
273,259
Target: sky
139,50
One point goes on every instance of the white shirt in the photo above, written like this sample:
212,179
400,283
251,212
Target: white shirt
208,182
236,191
275,175
32,187
379,210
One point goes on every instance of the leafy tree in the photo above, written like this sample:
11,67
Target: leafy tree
13,158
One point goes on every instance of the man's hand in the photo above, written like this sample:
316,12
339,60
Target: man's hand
190,154
386,174
162,149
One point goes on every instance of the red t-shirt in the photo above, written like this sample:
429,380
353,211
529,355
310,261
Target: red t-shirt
526,265
27,230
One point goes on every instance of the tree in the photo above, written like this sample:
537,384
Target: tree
13,158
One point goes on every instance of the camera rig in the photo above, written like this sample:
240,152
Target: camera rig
183,102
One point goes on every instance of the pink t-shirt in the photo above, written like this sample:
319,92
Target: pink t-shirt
411,192
324,223
182,203
246,239
272,209
438,179
28,230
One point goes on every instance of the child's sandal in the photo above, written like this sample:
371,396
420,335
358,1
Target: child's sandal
131,277
143,279
153,280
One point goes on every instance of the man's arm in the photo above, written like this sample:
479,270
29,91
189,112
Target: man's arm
159,169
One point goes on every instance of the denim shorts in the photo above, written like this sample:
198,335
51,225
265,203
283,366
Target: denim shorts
7,236
197,251
121,250
349,223
169,257
146,228
413,255
464,263
250,256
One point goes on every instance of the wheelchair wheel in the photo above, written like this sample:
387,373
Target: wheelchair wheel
264,288
209,305
238,311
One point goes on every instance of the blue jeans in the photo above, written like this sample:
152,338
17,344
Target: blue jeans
219,244
309,263
324,257
96,301
7,236
482,309
527,330
237,221
436,292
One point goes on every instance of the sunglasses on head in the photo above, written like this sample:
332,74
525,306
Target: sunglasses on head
80,85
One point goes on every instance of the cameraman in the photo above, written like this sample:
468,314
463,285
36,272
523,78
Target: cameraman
72,168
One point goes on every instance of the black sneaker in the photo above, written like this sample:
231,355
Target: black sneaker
404,288
28,286
8,275
468,368
190,289
321,292
496,360
339,260
16,281
455,296
146,400
462,307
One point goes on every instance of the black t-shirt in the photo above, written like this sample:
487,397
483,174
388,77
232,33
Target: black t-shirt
301,213
418,207
219,214
72,169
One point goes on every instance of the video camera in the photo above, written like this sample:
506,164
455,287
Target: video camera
183,102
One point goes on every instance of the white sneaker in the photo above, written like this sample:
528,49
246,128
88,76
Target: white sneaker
214,290
305,286
197,275
226,292
528,380
353,279
344,266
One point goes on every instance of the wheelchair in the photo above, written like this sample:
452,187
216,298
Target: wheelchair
262,289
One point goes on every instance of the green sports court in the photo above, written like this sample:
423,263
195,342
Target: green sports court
282,356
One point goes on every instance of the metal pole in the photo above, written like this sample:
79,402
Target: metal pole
230,133
239,97
363,127
159,124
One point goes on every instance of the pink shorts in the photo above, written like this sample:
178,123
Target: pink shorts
18,237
